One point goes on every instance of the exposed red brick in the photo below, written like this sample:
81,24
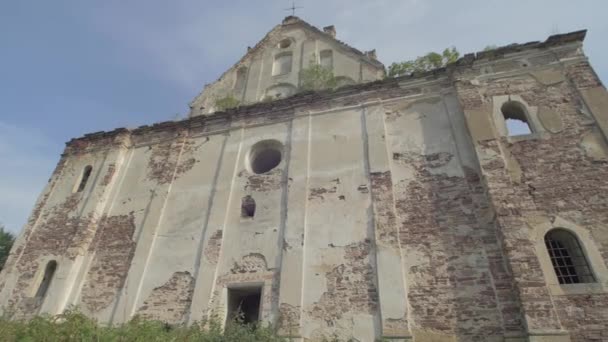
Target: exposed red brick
317,193
165,160
250,263
289,320
350,286
107,178
446,292
212,251
170,302
114,249
558,179
264,182
61,232
384,208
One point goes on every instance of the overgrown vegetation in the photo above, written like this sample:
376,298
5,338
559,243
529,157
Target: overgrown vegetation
74,326
430,61
317,77
6,243
226,102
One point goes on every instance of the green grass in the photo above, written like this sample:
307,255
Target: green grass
74,326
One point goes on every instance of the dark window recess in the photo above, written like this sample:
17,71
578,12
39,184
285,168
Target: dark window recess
516,119
244,304
49,272
86,173
266,160
247,207
567,257
265,155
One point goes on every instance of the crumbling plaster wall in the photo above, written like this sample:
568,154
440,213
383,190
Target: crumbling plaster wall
396,212
457,286
63,227
548,179
333,243
305,48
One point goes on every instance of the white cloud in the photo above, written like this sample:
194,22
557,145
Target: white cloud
192,42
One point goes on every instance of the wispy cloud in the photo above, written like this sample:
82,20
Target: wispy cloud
144,60
28,159
187,43
192,42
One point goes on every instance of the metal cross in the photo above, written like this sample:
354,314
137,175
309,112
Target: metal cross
293,8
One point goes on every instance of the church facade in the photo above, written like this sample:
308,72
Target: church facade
399,208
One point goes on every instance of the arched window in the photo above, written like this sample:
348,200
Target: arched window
84,178
282,64
516,118
568,259
327,59
264,156
247,207
49,272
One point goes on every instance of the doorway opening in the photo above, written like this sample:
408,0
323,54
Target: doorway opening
244,304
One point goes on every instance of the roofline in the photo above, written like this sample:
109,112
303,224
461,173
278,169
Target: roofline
374,62
297,21
305,97
500,52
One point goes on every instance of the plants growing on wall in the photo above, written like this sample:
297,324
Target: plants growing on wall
74,326
6,243
430,61
317,77
226,102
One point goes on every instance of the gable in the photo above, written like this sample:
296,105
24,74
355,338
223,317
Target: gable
275,63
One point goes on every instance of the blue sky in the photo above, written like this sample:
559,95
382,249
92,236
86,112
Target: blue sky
73,67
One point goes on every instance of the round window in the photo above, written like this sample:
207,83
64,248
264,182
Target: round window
285,43
265,156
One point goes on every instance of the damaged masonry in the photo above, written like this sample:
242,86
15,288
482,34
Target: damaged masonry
397,208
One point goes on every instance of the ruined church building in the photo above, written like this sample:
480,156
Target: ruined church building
402,208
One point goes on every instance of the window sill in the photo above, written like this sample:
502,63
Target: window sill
577,289
523,137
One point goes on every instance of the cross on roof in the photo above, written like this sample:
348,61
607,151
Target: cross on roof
293,8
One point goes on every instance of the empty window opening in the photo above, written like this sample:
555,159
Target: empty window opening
244,305
327,59
247,207
282,64
567,257
49,272
86,173
516,119
285,43
265,156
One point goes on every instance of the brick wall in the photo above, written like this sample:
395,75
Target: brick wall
557,179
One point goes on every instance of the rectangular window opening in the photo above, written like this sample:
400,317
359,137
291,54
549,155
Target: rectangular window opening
244,304
282,64
326,59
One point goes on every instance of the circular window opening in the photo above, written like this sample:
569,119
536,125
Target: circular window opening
285,43
265,156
